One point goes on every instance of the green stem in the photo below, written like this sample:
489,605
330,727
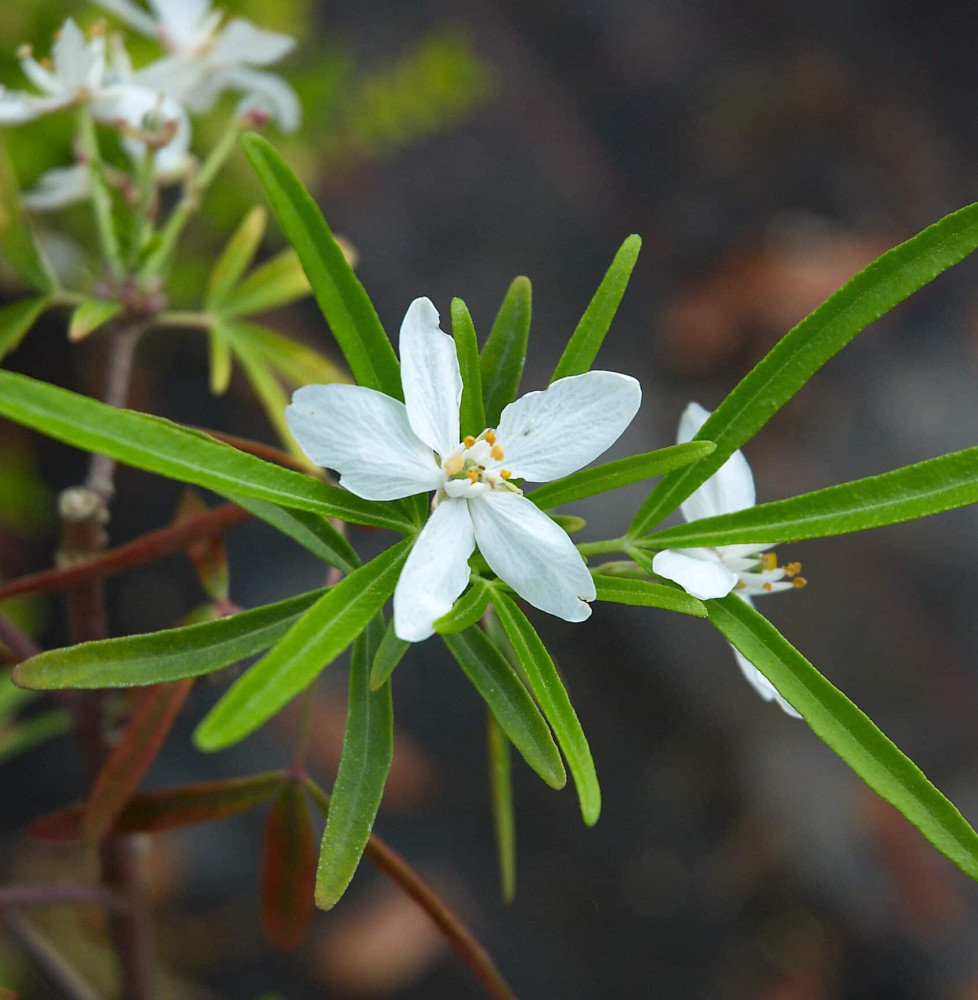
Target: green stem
142,225
185,320
602,548
193,193
101,198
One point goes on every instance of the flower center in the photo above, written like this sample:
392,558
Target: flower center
761,573
476,466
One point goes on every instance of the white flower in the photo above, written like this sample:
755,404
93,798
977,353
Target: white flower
385,449
59,187
204,59
746,569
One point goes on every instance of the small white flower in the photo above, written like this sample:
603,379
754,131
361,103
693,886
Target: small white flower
747,569
204,59
385,449
59,187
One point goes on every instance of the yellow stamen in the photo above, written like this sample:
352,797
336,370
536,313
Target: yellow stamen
491,437
453,465
799,582
47,63
768,587
769,561
505,473
497,452
468,441
25,51
472,474
792,569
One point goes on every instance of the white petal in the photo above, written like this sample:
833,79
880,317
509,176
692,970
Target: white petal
59,187
729,489
240,42
42,77
182,78
698,575
365,436
532,554
761,684
16,108
431,378
436,571
270,93
552,433
185,23
77,63
131,14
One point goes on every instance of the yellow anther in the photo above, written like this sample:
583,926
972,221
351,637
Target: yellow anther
792,569
491,437
799,582
769,561
505,473
25,51
453,465
497,452
768,587
473,475
46,63
468,440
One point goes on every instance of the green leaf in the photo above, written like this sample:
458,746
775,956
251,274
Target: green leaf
312,643
28,733
569,522
12,698
288,869
312,531
549,691
168,449
468,609
89,316
295,362
505,350
168,808
914,491
16,319
503,813
621,472
341,297
169,655
847,731
279,281
267,387
645,594
472,415
504,693
220,360
803,350
238,253
586,340
389,654
17,240
368,748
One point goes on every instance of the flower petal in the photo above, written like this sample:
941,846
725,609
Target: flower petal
76,61
554,432
531,553
758,681
436,571
131,14
267,92
365,436
58,187
431,377
17,107
241,42
729,489
699,575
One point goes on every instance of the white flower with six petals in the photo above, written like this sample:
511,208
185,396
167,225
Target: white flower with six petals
384,449
747,569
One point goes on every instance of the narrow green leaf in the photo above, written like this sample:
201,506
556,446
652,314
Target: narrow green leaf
341,297
503,813
586,340
468,609
312,643
368,748
16,319
847,731
505,350
157,657
238,253
645,594
312,531
472,415
279,281
89,316
267,387
389,654
168,449
295,362
803,350
504,693
621,472
549,691
569,522
914,491
12,698
220,360
288,869
17,241
28,733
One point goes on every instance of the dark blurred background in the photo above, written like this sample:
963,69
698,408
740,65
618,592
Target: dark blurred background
764,152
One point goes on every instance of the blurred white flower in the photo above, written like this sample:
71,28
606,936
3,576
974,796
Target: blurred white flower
385,449
204,59
59,187
746,569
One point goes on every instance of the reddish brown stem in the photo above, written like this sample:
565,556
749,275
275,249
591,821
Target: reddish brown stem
260,450
21,646
145,549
